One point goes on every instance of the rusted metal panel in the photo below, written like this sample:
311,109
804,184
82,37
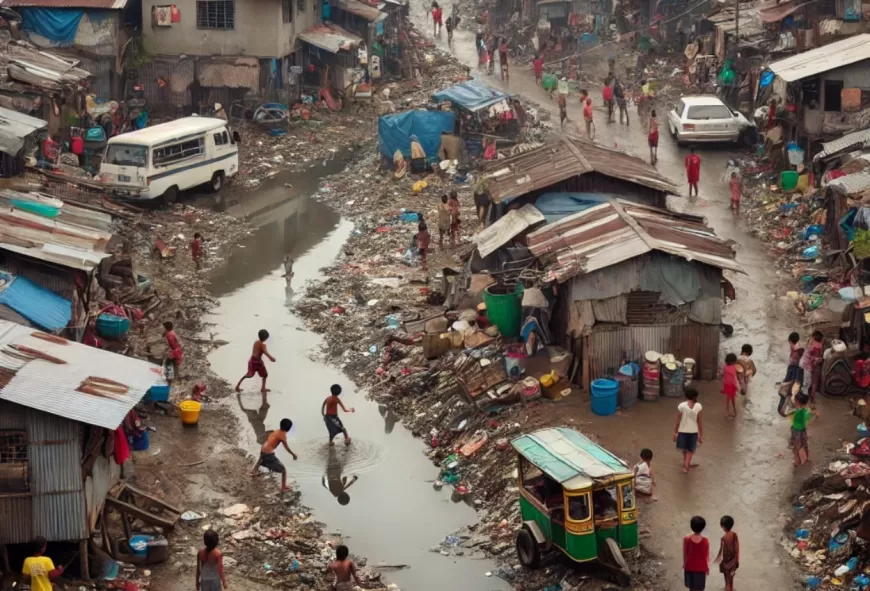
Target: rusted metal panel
60,517
12,416
16,523
607,345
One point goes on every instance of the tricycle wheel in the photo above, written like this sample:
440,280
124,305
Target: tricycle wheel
527,549
617,563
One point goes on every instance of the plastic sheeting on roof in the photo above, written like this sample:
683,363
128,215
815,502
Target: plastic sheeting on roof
55,24
14,127
555,206
471,95
42,307
330,37
395,131
823,59
511,224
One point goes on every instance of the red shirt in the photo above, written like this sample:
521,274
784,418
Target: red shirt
436,15
696,555
423,240
608,93
174,346
587,112
196,248
735,189
693,168
539,66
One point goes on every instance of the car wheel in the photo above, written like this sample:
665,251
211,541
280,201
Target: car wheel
170,196
527,549
217,181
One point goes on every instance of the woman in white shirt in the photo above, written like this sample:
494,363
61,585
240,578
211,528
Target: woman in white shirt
688,430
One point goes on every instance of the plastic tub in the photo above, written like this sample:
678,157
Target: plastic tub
788,180
158,393
190,411
605,394
142,443
112,327
504,310
139,545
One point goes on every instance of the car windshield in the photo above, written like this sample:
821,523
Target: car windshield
704,112
578,508
124,155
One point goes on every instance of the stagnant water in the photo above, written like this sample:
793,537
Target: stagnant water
391,513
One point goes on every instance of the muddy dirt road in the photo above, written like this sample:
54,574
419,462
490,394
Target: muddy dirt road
745,467
389,512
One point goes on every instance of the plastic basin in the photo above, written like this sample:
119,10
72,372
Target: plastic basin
112,327
504,309
605,393
189,411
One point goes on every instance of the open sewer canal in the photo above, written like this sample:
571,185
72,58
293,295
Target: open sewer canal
391,513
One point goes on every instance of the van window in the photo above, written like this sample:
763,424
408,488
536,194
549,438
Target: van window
124,155
176,152
221,139
703,112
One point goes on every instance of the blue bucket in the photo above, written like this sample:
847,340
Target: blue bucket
604,396
141,443
139,545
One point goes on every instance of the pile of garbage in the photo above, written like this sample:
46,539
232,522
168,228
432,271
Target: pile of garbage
830,526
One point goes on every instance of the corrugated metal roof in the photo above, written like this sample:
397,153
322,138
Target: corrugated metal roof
53,388
568,457
563,159
332,38
15,127
618,230
43,69
41,307
237,72
851,183
823,59
103,4
76,238
511,224
749,19
366,11
856,139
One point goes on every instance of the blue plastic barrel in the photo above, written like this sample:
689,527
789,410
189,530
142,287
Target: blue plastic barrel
141,443
604,396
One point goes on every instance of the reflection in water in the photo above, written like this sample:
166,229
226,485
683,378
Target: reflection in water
334,481
257,418
390,418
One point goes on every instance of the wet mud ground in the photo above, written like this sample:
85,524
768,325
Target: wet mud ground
745,467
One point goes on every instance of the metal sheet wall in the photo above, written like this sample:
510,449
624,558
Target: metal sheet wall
177,73
100,82
698,341
16,517
60,517
103,477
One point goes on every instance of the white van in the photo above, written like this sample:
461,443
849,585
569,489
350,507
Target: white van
159,161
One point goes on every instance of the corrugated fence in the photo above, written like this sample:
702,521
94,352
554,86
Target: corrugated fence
699,341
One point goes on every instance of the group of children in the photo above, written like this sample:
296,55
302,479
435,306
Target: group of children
448,225
696,554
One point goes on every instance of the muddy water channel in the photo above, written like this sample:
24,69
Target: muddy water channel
390,513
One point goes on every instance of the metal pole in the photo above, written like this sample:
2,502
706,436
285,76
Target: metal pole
737,26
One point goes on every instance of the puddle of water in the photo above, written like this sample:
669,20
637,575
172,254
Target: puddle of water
378,491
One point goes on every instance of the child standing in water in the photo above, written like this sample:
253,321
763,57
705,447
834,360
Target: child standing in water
329,410
730,385
729,552
269,460
210,564
255,363
344,570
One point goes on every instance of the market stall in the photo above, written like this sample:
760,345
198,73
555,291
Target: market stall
484,115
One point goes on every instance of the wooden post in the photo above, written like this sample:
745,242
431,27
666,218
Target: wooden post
83,558
4,559
584,349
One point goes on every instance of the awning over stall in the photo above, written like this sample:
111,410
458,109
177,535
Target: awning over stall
472,95
331,38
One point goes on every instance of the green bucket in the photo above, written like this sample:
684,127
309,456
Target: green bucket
788,180
504,308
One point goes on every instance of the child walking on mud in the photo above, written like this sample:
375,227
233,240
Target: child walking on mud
696,556
329,410
730,385
210,564
689,429
256,364
799,421
729,552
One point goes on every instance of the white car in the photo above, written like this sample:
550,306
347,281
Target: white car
705,118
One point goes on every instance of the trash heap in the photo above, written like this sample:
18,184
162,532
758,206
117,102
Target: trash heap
830,525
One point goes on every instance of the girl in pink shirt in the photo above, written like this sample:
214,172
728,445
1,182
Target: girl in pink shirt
730,385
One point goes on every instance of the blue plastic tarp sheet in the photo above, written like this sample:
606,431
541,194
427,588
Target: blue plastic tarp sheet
59,25
395,131
41,307
471,95
556,206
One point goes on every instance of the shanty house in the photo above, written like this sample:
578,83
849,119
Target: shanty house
330,56
634,278
52,256
830,86
567,164
61,404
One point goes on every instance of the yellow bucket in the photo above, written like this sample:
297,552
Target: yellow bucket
189,411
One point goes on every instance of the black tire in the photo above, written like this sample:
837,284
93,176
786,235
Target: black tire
170,196
217,181
617,563
527,549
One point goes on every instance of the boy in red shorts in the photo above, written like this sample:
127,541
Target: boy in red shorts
256,364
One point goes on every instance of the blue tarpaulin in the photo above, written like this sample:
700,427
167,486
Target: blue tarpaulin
43,308
56,24
471,95
395,131
556,206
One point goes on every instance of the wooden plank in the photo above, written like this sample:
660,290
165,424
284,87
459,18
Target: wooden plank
153,499
128,509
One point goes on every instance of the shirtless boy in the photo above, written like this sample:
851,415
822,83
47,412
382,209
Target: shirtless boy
256,364
344,570
269,460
